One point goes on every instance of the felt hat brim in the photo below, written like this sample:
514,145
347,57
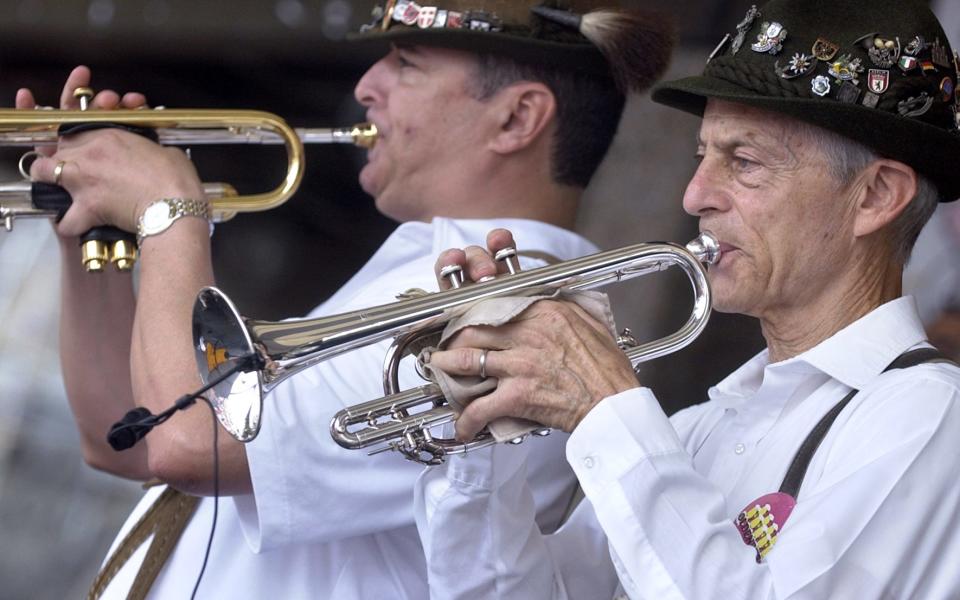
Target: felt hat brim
932,151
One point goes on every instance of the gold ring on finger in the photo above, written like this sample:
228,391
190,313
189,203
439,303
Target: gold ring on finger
58,172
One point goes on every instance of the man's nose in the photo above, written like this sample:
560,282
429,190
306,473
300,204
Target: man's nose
705,192
369,90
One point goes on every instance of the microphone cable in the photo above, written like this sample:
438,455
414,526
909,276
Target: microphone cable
216,499
138,422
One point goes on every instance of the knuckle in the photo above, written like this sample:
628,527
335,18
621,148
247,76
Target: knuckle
465,358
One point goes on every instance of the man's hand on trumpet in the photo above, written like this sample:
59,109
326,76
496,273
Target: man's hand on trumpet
112,175
554,362
80,77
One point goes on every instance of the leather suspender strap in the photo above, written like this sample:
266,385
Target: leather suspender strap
798,468
165,520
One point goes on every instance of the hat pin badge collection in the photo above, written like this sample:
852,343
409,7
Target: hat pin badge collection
763,519
412,14
844,71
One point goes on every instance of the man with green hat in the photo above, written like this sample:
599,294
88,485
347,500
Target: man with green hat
825,466
489,116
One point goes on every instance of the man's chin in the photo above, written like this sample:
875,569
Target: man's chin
369,182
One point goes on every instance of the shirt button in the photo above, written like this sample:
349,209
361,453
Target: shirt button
588,462
739,449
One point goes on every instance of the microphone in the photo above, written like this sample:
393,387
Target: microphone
131,429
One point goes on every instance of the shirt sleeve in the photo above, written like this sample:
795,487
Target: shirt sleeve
475,516
307,489
671,532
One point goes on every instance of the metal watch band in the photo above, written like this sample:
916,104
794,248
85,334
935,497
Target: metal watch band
179,207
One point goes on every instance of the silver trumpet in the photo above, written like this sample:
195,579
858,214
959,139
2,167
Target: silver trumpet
402,420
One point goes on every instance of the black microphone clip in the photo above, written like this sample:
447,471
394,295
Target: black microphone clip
125,433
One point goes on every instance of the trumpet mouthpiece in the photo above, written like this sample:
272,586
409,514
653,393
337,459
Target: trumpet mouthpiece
706,247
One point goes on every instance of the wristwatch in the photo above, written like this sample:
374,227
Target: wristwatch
160,215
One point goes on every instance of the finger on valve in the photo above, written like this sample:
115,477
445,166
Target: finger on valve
503,248
449,268
481,266
79,77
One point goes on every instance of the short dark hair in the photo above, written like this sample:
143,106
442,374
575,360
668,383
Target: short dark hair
589,108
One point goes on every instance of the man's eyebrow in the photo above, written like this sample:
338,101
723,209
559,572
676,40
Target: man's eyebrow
407,47
738,140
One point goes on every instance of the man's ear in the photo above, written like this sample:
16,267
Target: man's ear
524,112
888,187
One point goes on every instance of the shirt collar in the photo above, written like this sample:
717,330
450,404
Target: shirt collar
742,384
854,355
862,350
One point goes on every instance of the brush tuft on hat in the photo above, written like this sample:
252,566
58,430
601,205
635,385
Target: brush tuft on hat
637,44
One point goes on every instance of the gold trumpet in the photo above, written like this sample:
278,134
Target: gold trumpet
225,343
176,127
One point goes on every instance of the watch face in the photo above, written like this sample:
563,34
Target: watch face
157,217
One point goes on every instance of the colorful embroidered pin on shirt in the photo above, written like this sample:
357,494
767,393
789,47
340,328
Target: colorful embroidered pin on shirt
762,521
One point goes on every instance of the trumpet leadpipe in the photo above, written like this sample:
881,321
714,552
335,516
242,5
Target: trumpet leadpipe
363,135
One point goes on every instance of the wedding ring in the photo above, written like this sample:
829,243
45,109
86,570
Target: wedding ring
58,172
483,364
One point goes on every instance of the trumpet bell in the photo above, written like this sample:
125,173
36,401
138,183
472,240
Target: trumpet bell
221,341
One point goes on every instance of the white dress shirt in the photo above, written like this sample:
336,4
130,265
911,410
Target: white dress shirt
876,515
325,522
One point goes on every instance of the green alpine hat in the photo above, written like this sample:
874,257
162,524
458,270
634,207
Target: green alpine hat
880,72
631,46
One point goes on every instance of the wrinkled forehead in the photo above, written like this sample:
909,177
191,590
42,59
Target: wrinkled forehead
436,54
726,123
747,117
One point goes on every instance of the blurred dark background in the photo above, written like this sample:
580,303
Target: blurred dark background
57,516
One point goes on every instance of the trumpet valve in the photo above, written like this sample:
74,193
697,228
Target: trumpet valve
123,255
508,256
454,276
84,95
8,222
543,432
95,255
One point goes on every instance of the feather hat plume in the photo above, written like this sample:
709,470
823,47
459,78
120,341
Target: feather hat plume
637,44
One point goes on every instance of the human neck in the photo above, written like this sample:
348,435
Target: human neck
513,193
795,329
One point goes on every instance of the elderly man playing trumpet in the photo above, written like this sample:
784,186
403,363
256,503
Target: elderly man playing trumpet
825,466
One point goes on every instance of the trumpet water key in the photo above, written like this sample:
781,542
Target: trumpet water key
178,127
401,420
